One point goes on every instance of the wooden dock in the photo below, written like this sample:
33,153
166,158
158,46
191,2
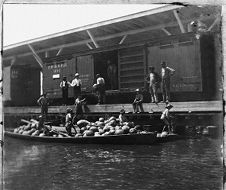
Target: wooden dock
179,107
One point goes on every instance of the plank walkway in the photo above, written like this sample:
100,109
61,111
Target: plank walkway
181,107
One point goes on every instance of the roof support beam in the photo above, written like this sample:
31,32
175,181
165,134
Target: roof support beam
166,31
179,21
60,50
120,34
214,23
92,38
89,46
38,59
123,39
46,54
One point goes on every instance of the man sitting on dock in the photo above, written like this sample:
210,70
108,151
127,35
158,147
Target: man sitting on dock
138,102
43,102
166,117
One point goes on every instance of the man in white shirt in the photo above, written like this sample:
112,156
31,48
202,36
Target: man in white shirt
76,84
166,73
166,117
64,84
100,89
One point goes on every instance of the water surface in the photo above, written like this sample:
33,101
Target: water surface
185,164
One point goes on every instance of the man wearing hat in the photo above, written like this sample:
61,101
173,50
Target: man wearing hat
166,73
64,84
154,80
68,121
43,102
166,117
100,89
138,102
76,84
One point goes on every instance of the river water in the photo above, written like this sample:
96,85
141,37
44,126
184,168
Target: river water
184,164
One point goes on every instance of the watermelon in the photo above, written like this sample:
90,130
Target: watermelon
132,130
125,129
16,130
106,128
89,133
94,129
36,133
83,123
119,132
101,119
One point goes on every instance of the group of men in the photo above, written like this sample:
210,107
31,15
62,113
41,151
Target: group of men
155,81
76,83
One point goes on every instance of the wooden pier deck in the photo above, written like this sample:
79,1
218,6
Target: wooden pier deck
179,107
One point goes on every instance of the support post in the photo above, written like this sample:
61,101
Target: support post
89,46
123,39
38,59
59,52
92,38
166,31
214,23
46,54
179,21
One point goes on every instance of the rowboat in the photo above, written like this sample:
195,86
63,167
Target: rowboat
127,139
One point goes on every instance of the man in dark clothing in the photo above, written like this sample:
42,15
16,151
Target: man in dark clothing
166,73
154,81
43,102
100,89
138,102
112,74
68,122
64,86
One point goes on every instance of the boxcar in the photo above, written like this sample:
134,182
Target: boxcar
192,58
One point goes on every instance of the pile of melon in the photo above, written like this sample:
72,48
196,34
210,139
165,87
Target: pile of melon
106,127
31,128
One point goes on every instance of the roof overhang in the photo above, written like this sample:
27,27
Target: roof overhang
156,23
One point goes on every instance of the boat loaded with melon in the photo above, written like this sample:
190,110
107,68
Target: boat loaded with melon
99,132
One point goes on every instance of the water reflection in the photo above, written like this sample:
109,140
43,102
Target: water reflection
186,164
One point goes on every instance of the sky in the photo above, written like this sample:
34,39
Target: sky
24,22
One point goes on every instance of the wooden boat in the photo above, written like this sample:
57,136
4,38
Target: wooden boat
136,139
168,138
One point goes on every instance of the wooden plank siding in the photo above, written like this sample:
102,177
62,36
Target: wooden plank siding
132,68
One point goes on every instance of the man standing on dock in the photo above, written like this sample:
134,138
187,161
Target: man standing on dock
154,81
112,74
43,102
64,86
100,89
76,84
166,74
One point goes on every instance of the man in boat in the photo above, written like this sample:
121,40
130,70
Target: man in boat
43,102
138,102
68,121
76,84
166,117
122,118
154,81
166,73
64,87
80,105
100,89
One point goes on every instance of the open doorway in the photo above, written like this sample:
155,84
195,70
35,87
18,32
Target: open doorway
106,64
